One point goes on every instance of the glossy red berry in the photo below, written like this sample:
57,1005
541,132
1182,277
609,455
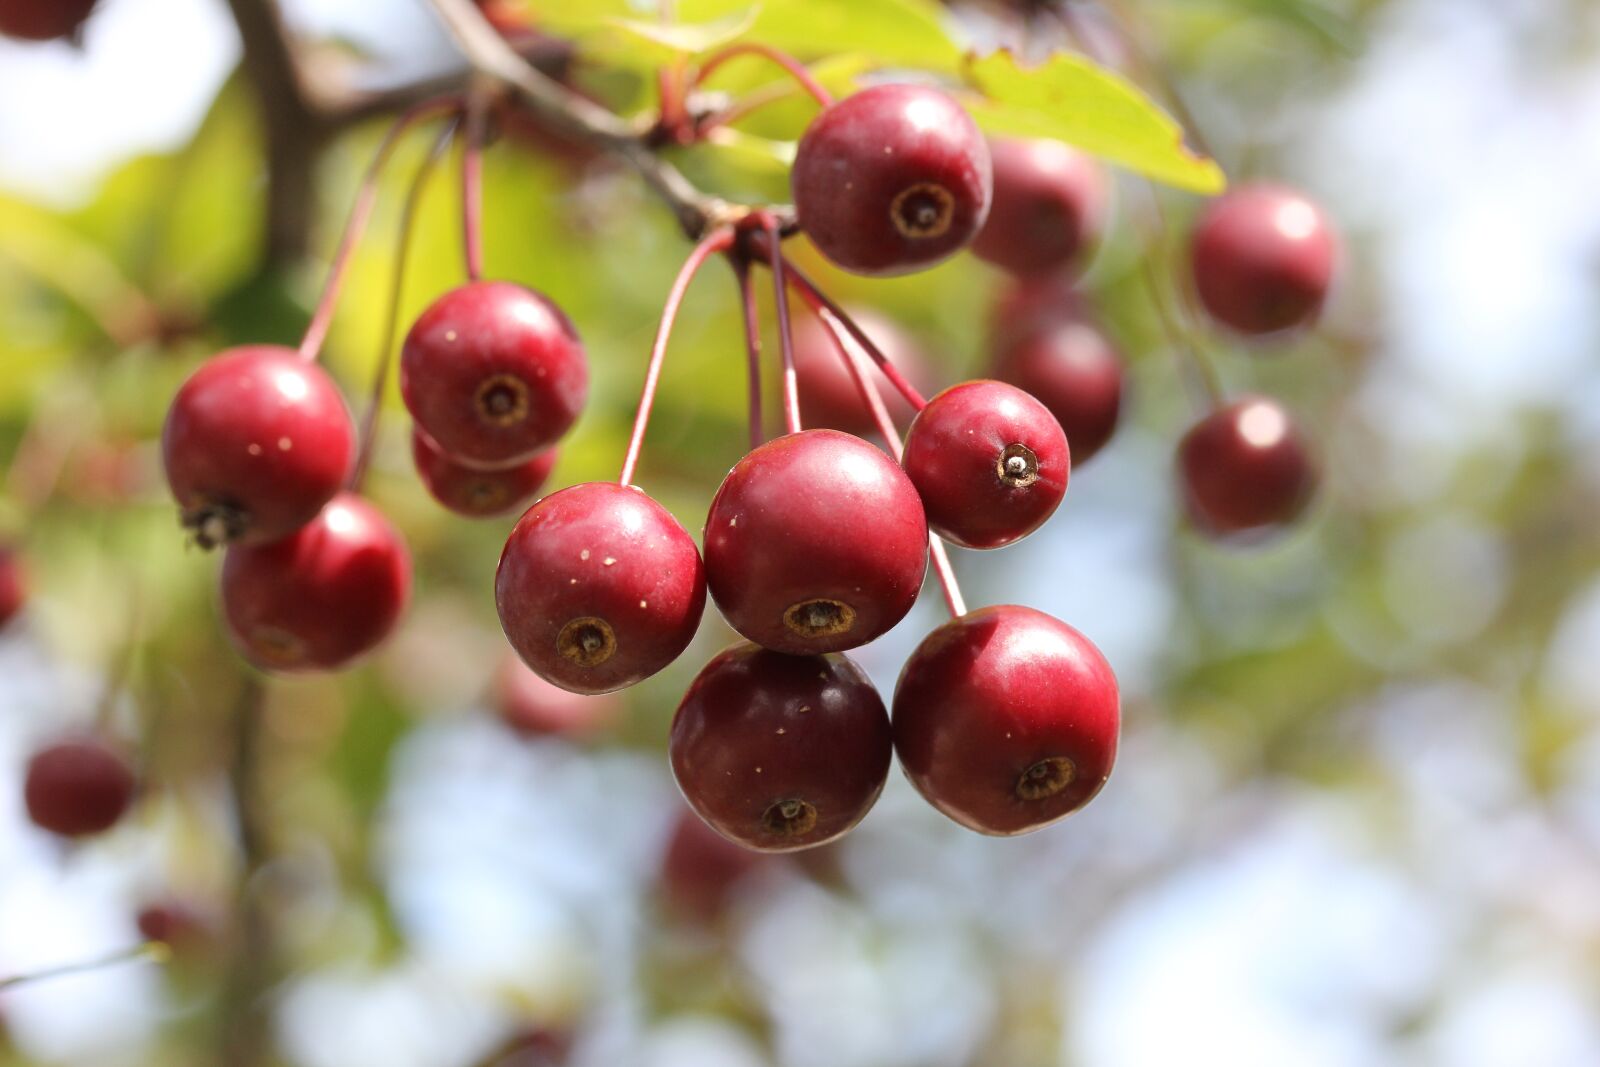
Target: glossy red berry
701,870
1050,203
13,587
780,752
891,179
1263,258
493,373
816,542
829,398
599,587
535,708
255,443
1074,370
989,462
1245,468
1006,719
43,20
478,494
322,596
79,787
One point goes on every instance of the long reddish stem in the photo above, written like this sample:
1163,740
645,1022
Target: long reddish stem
752,345
880,415
391,319
820,302
360,214
780,297
472,185
719,240
797,70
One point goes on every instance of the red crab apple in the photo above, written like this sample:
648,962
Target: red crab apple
1263,258
78,787
1050,203
1245,469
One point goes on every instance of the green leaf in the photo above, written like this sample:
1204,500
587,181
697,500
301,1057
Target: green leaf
691,38
1070,99
905,33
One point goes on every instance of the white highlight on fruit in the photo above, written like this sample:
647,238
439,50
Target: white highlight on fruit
1262,425
1295,219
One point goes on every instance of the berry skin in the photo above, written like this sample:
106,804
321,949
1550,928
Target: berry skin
701,869
1263,258
1006,719
322,596
493,373
989,461
535,708
891,179
255,443
43,20
1073,369
599,587
780,752
1050,203
815,542
477,494
1245,469
79,787
829,398
13,587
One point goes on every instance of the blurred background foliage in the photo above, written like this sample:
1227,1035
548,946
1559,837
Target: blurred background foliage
1357,813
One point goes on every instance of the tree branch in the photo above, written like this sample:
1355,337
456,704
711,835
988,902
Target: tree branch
244,1031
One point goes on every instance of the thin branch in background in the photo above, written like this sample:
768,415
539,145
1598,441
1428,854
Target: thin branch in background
149,951
473,134
752,345
796,70
244,1032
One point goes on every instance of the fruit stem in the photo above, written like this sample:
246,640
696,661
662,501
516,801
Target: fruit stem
154,951
880,415
718,240
752,345
797,70
820,301
1180,336
780,295
360,213
472,184
391,318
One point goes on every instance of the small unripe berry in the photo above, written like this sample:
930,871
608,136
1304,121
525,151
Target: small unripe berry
77,788
1245,468
1263,258
1050,203
891,179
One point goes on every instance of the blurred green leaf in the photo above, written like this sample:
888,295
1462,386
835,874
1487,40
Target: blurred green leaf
690,38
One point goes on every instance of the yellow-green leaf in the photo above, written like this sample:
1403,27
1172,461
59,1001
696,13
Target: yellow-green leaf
686,38
1071,99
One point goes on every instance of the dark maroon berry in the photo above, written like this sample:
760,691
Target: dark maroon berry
780,752
255,443
13,587
829,398
1029,305
1245,469
78,787
989,462
891,179
475,493
1073,369
535,708
1049,207
701,870
1006,719
322,596
535,1046
175,924
816,542
493,373
43,20
599,587
1263,259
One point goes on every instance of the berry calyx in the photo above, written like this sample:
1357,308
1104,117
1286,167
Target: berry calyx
1263,258
493,373
1245,468
477,494
989,461
891,179
43,20
255,443
321,597
1073,369
829,398
1006,719
599,587
780,752
13,587
815,542
534,707
78,787
1049,207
